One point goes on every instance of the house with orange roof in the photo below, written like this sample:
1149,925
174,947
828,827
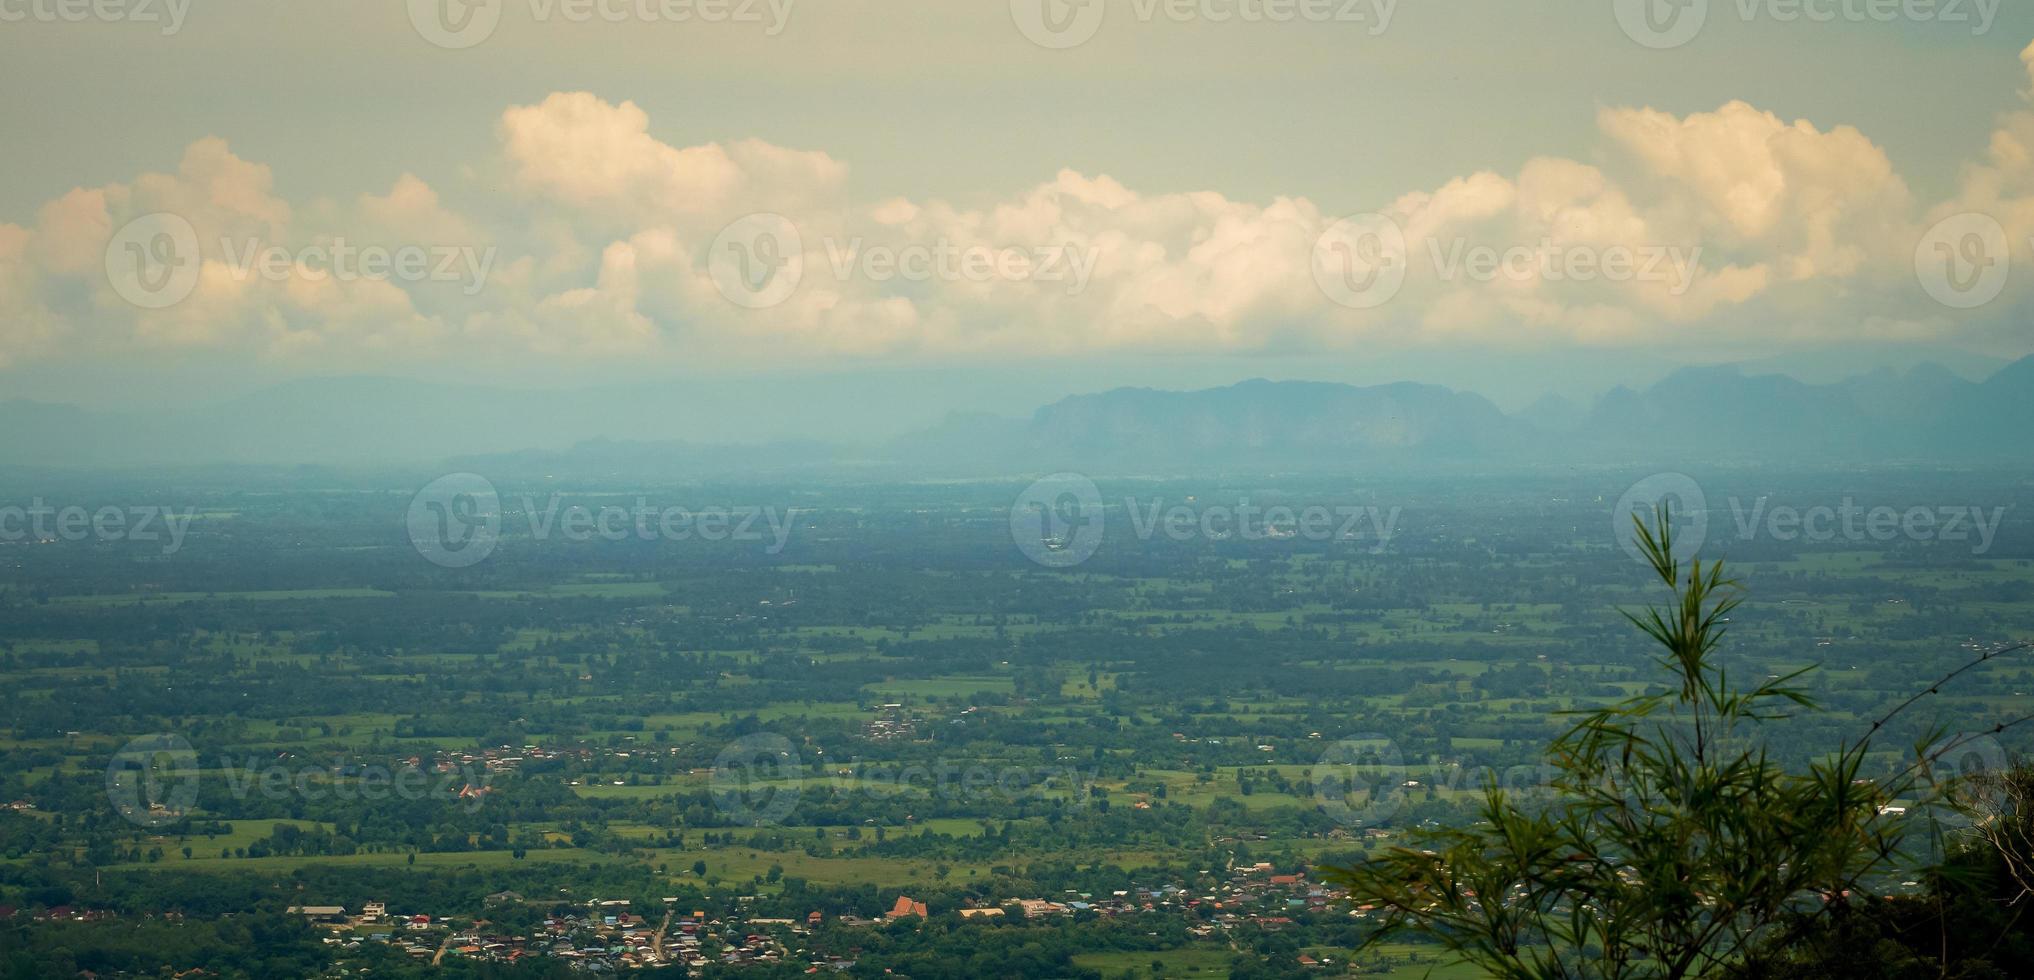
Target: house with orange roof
905,906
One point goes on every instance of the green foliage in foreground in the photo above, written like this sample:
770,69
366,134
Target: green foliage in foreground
1673,846
1970,923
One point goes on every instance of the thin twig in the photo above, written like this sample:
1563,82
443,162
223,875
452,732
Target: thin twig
1936,688
1958,742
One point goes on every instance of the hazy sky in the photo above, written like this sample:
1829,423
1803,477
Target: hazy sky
567,192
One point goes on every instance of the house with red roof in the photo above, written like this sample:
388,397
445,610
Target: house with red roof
905,906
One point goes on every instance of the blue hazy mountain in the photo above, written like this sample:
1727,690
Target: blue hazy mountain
1709,414
1253,425
1722,414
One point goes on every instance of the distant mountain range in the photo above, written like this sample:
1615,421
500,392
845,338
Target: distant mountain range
1720,414
1250,426
1713,415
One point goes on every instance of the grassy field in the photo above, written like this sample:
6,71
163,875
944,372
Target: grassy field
173,861
1170,963
1403,961
182,597
1446,668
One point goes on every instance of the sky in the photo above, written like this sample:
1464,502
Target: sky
983,205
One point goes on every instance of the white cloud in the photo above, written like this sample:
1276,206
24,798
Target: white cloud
600,234
599,159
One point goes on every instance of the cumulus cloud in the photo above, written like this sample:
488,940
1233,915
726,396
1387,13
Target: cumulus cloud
603,240
599,160
26,329
1818,202
61,280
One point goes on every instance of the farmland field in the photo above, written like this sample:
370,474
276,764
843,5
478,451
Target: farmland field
1167,745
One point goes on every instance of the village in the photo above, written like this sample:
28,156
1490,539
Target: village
610,934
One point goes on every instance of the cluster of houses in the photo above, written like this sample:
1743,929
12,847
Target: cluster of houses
892,724
610,934
606,935
1250,895
59,913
